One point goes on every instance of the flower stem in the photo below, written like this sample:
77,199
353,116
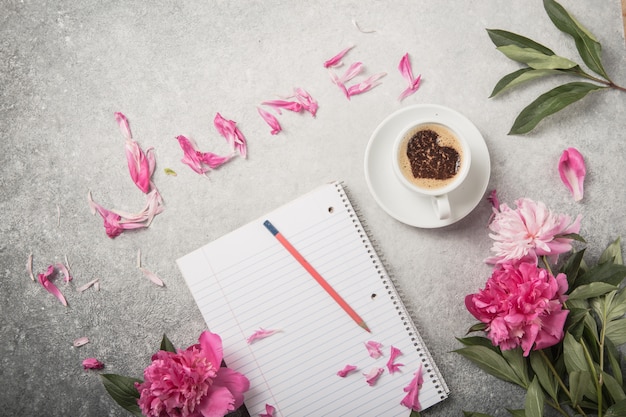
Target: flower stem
547,264
559,380
596,379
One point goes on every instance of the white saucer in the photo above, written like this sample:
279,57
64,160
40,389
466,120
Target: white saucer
405,205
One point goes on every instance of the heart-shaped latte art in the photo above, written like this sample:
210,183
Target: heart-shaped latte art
428,159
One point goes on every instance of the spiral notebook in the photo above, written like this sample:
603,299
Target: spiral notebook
246,281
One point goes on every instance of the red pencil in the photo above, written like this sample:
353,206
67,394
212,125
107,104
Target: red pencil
320,280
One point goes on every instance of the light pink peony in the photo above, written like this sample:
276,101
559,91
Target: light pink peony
529,231
191,383
522,305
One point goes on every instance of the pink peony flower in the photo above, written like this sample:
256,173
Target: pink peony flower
522,305
529,231
191,382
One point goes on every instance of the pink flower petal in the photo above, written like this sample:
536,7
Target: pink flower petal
92,363
122,121
81,341
411,399
373,349
138,165
335,61
269,411
270,120
229,130
44,280
372,376
66,273
337,81
346,370
308,103
152,277
391,365
352,71
572,171
260,334
200,162
88,285
29,267
365,85
293,106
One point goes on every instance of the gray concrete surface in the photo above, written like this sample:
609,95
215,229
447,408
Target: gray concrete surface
67,66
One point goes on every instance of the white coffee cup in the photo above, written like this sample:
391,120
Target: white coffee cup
440,167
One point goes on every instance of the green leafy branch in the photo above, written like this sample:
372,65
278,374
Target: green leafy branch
541,61
581,375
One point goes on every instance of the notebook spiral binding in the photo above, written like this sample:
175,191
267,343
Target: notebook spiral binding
395,294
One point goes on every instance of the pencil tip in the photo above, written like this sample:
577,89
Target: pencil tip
363,325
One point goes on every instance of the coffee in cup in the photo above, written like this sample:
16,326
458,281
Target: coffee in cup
432,159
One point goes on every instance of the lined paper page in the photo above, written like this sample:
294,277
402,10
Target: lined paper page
247,280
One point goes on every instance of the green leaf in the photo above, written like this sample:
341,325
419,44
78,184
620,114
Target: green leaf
535,59
167,345
517,413
614,356
503,38
515,358
613,387
544,375
122,390
616,331
595,289
478,341
616,410
571,267
490,362
617,307
613,253
577,385
520,76
534,400
574,354
478,327
587,45
607,272
549,103
414,413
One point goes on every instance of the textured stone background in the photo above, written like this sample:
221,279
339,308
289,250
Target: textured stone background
67,66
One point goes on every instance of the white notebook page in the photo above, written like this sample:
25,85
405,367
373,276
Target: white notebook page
246,280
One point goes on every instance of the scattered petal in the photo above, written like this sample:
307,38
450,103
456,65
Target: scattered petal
373,349
170,171
293,106
352,71
44,280
29,267
66,273
407,73
153,277
356,25
81,341
572,171
372,376
270,120
88,285
92,363
308,103
365,85
269,411
122,122
260,334
346,370
411,399
229,130
200,162
391,365
140,164
335,61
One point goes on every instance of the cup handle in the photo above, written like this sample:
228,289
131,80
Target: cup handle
442,206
